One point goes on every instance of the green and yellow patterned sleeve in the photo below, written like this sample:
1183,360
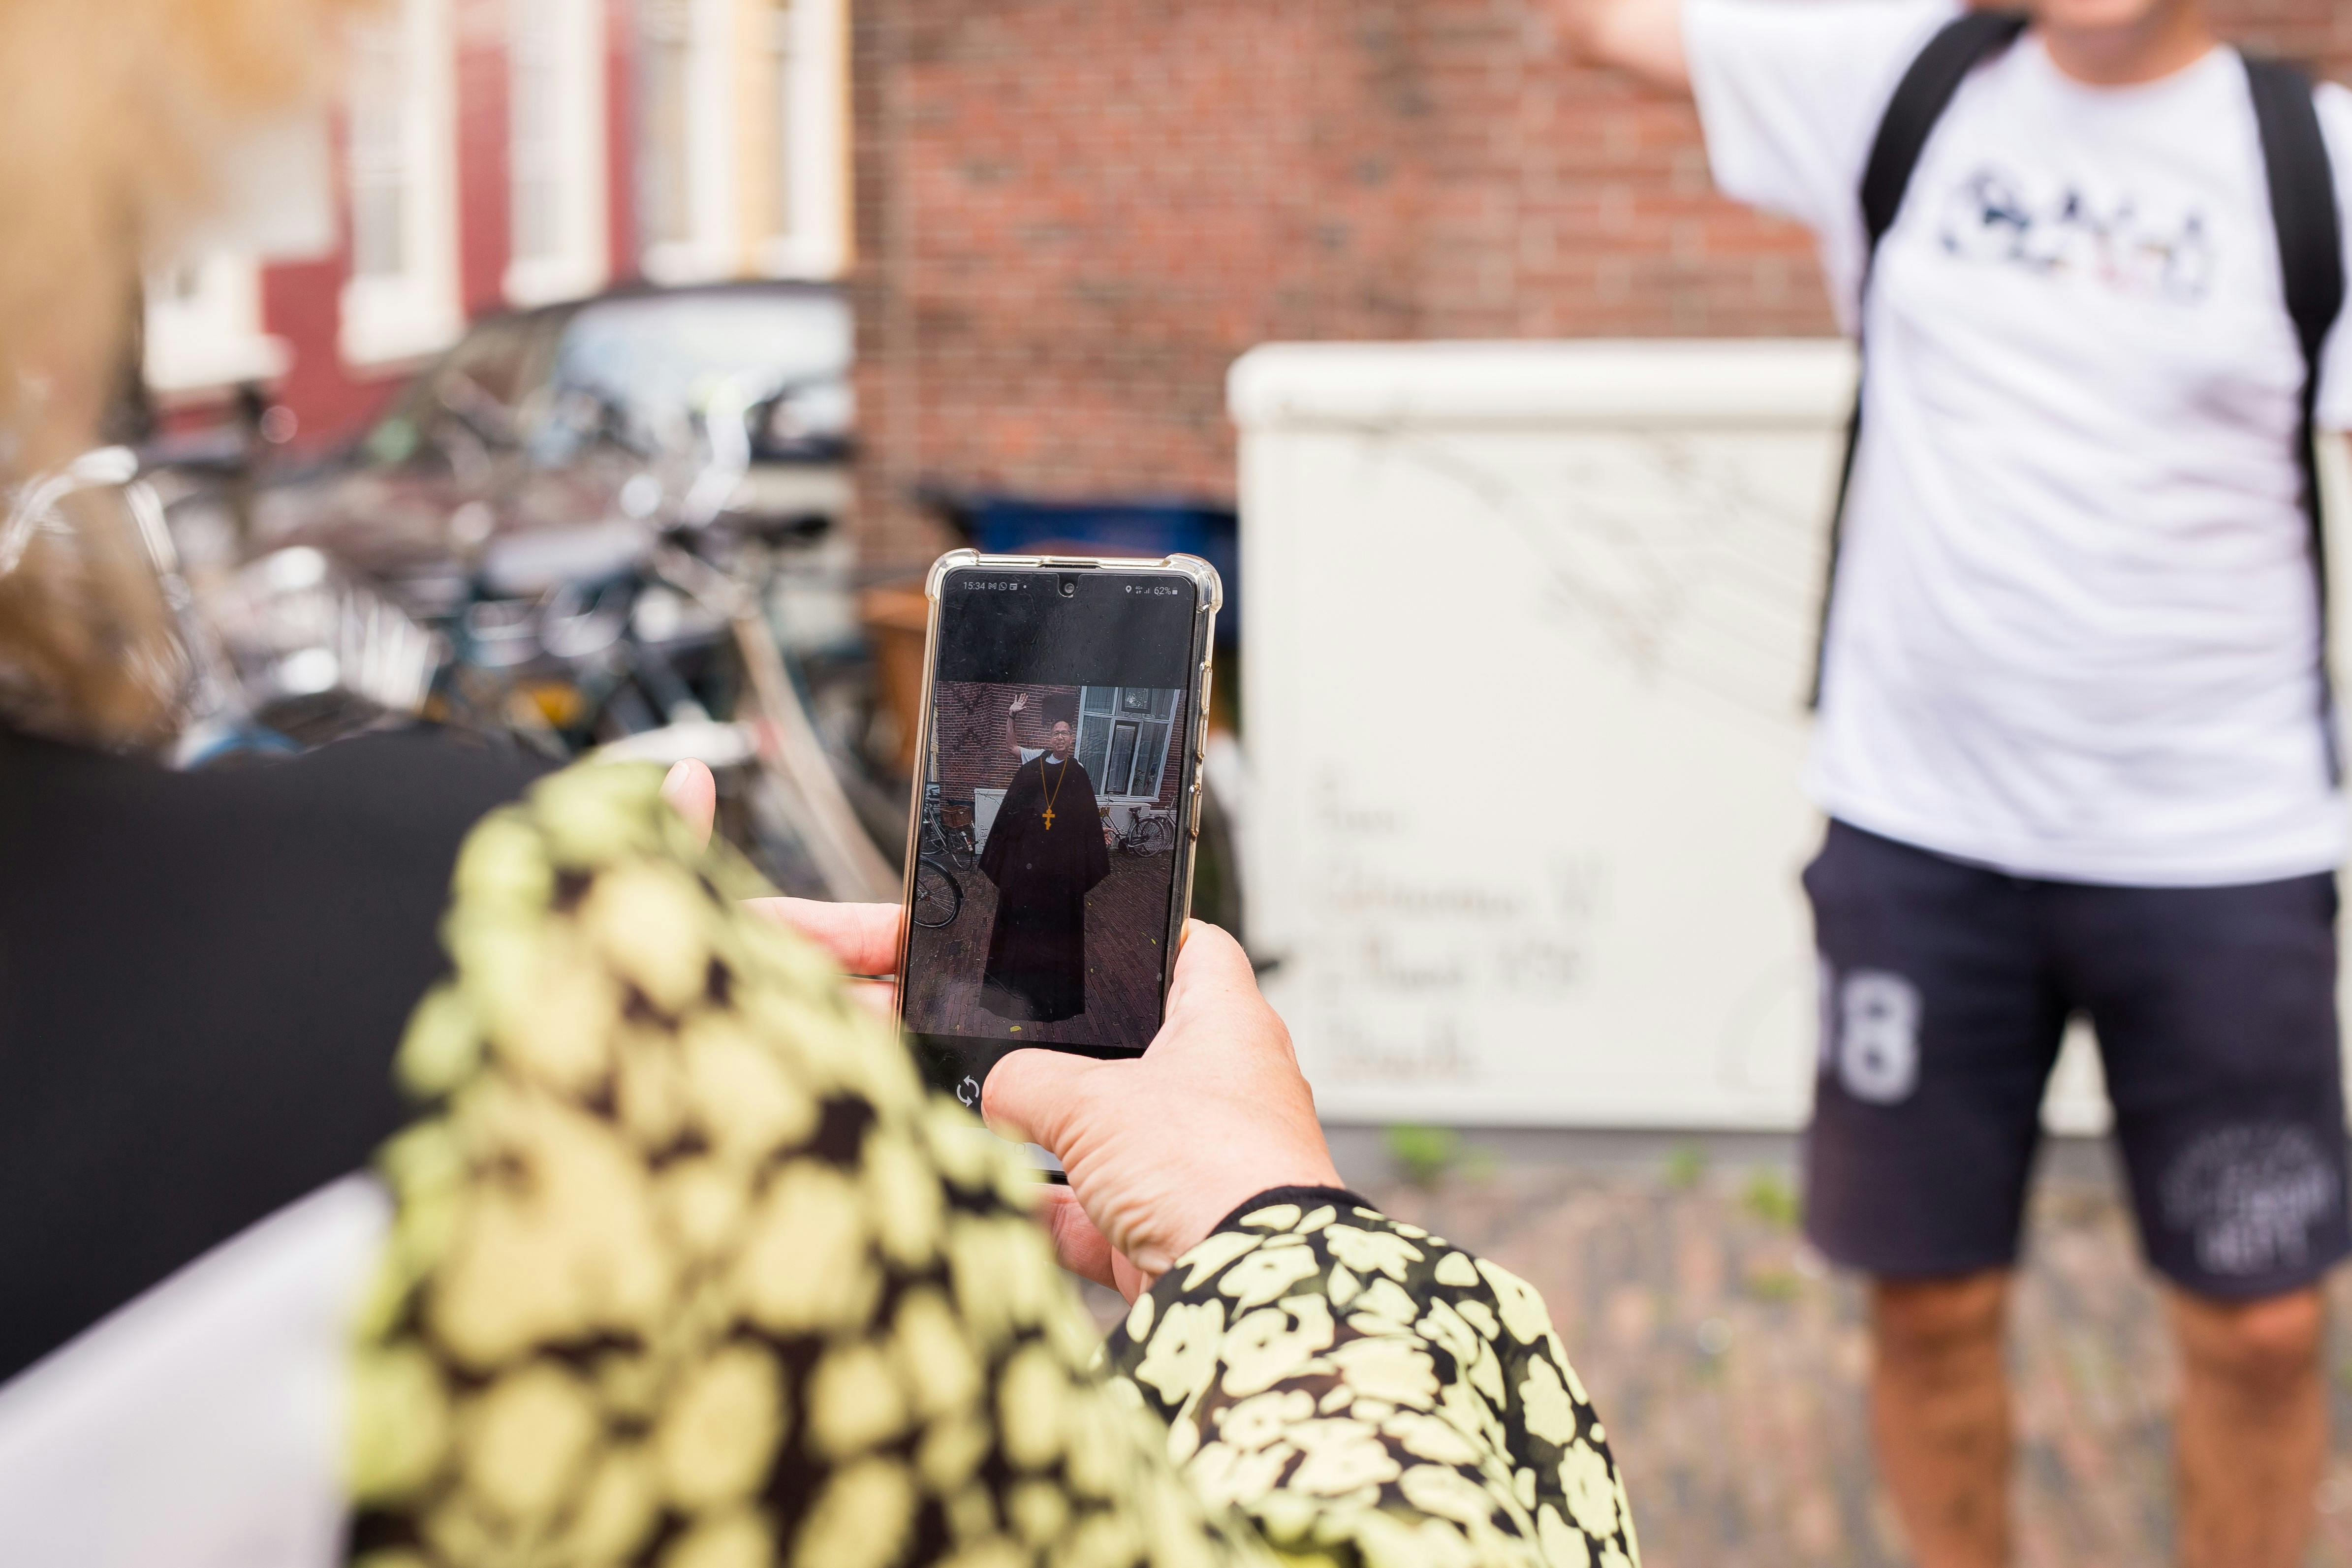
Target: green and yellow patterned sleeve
1362,1391
687,1270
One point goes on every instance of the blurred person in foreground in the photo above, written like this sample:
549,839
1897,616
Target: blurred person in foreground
666,1257
2075,737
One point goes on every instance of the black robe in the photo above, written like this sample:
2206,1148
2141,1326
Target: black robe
1037,949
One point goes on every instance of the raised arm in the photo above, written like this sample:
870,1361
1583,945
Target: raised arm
1641,36
1011,731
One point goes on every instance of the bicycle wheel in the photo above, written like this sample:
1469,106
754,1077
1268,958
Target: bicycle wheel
1154,836
939,896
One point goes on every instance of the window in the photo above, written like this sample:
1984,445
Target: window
802,138
381,153
400,167
686,161
1123,738
204,325
555,157
781,97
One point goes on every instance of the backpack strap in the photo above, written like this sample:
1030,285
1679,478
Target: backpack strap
2311,262
1919,101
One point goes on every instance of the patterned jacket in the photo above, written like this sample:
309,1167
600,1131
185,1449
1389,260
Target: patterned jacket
689,1270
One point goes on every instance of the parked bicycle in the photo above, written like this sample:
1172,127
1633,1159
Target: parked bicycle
1149,831
640,635
943,846
939,896
946,831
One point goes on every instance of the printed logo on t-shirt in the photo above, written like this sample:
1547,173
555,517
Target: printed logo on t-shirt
2065,234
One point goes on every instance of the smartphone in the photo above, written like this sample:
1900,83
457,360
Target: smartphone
1049,861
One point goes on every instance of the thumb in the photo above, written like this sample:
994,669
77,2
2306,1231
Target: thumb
693,793
1033,1097
1210,964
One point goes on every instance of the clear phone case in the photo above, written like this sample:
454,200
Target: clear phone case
1210,599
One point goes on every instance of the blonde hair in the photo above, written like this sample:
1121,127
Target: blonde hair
118,113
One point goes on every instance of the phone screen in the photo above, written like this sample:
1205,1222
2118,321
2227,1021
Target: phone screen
1054,832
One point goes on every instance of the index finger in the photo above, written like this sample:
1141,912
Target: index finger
1081,1246
862,938
693,793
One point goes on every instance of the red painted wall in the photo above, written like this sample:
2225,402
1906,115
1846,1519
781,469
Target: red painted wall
621,136
302,301
485,209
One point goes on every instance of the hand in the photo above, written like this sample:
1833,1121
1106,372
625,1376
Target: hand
1161,1147
693,793
1019,703
862,938
1158,1148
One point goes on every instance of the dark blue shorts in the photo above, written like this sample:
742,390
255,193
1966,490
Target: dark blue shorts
1945,989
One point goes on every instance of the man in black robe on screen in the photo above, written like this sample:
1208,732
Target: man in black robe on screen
1045,851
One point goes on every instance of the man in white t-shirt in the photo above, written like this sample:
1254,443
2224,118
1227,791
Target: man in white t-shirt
2071,733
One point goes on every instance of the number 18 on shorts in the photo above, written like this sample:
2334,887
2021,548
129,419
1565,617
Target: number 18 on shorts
1946,988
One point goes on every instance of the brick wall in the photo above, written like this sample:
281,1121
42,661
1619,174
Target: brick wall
970,732
1074,214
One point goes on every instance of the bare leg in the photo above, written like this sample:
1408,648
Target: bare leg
2252,1432
1940,1413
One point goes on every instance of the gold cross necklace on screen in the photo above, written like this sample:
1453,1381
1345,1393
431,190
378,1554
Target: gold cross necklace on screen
1056,793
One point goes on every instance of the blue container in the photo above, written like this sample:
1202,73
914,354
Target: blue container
1010,525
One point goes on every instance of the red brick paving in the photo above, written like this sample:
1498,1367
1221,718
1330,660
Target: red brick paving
1728,1363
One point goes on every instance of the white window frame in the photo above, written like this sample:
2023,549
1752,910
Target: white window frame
211,336
1108,718
809,148
393,318
574,141
708,249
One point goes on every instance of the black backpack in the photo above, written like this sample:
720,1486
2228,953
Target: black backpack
2303,208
